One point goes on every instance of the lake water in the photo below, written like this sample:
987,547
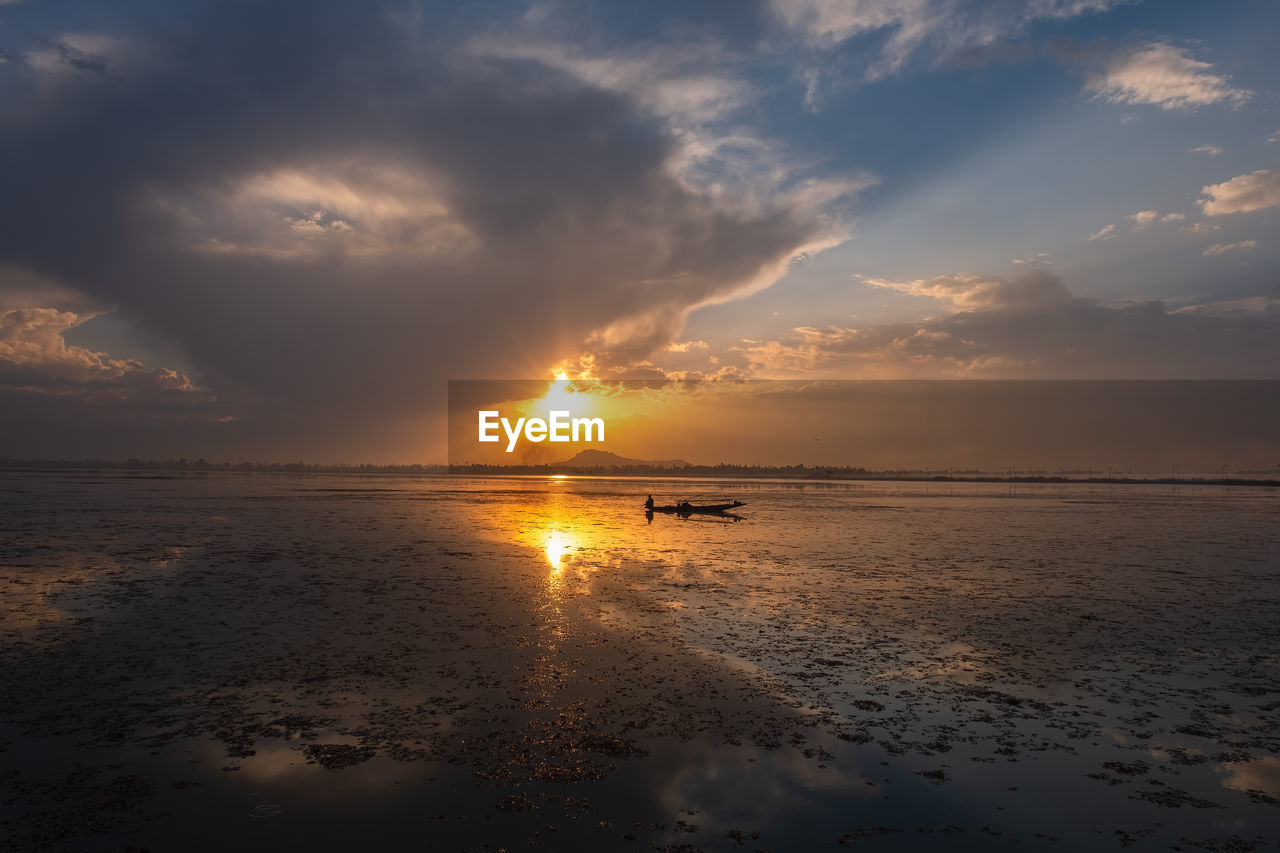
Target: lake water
264,662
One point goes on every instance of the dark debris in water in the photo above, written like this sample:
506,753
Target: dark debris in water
337,756
339,637
1171,798
515,803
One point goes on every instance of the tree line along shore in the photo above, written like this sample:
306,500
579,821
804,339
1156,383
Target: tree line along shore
723,471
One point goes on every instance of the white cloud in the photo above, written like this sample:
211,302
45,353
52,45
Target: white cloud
35,357
812,78
1265,305
1034,289
1106,232
699,90
1164,76
686,346
64,58
1143,218
1243,193
357,209
45,380
1211,150
907,26
674,81
70,53
830,22
1223,248
1199,228
32,338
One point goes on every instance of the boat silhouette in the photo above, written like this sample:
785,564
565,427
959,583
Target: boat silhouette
686,508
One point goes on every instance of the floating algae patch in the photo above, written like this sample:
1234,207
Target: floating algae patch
337,756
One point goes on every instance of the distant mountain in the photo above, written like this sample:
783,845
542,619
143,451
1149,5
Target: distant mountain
605,459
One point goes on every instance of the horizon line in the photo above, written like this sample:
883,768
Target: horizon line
641,468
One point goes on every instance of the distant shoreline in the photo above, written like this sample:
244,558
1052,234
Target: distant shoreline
722,472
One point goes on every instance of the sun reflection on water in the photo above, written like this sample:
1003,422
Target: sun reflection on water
558,544
562,537
570,543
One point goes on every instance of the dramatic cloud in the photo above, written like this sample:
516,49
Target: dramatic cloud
31,339
1164,76
1211,150
1053,336
378,208
48,384
1242,194
696,87
1223,248
312,215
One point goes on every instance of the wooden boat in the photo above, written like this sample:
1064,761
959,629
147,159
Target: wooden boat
695,509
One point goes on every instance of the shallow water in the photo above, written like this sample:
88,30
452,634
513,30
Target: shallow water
265,661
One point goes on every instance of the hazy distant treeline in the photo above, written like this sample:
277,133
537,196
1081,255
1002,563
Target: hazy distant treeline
723,470
847,472
184,464
824,472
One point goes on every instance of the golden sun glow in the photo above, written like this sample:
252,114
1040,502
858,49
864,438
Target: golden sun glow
581,398
562,396
631,418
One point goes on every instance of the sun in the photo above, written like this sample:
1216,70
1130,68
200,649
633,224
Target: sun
563,395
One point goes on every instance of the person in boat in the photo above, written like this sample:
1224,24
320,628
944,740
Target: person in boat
684,505
649,503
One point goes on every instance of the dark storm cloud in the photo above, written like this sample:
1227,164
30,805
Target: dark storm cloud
331,211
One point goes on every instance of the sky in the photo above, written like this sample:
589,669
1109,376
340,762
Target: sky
276,231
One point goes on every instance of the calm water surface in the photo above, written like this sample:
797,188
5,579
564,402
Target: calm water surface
276,661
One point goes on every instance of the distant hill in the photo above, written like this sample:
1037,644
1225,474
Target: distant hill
605,459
